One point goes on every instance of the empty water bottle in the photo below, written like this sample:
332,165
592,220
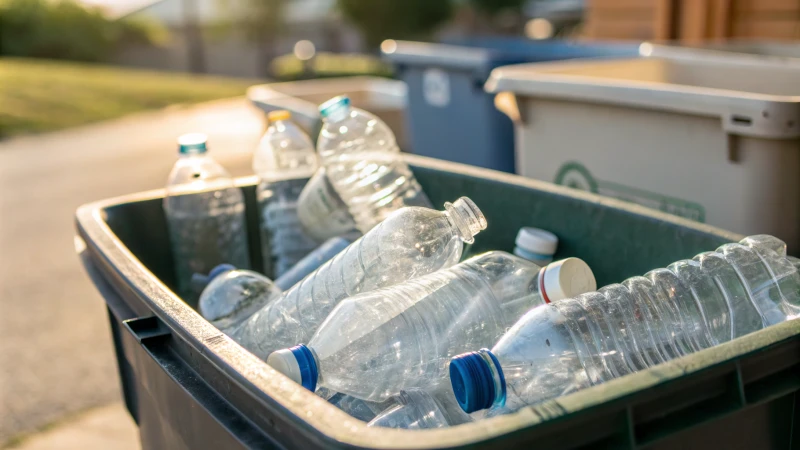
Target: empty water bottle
322,212
232,295
411,242
313,261
623,328
284,161
356,407
417,409
205,214
363,164
375,344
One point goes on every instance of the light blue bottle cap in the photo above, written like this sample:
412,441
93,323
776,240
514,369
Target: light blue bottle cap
192,143
333,105
297,363
472,381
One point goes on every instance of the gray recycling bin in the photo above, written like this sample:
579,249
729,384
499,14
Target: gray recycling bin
381,96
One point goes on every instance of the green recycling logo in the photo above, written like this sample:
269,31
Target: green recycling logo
575,175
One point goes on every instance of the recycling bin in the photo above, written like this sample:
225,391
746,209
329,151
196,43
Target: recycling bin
189,386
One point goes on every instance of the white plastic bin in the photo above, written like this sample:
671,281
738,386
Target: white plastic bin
383,97
715,140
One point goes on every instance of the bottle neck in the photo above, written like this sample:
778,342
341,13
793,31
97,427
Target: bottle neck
465,218
498,377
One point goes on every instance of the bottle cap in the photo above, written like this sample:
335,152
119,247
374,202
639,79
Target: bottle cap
192,143
566,278
297,363
540,242
200,281
472,380
333,105
281,114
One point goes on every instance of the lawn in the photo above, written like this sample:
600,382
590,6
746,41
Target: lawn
38,95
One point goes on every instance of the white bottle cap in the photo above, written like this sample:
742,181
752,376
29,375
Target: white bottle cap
536,240
566,278
285,362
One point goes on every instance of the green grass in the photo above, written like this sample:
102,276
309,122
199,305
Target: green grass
39,95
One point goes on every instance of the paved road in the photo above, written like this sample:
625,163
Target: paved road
56,356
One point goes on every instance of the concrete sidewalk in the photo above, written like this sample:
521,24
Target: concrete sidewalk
109,428
55,345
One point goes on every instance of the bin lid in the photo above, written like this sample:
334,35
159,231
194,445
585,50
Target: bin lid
752,97
482,54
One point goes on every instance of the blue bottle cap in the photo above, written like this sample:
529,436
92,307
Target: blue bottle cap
472,381
192,143
297,363
219,270
199,281
333,105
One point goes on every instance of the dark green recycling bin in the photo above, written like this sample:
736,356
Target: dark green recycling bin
189,386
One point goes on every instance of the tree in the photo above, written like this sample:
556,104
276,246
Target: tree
493,7
261,22
65,29
392,19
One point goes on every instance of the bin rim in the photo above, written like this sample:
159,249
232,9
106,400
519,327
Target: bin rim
756,51
480,54
326,424
284,95
559,81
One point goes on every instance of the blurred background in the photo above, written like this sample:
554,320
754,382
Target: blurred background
67,67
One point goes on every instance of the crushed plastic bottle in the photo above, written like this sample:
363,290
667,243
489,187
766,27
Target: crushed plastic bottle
205,214
284,161
363,163
694,304
410,243
378,343
231,295
313,261
322,212
417,409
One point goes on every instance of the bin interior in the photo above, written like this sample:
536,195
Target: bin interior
617,240
769,79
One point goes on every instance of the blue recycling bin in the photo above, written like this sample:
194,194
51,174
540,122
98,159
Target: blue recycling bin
449,115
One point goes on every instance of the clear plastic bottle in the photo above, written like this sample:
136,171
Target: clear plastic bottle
623,328
418,409
376,344
363,163
410,243
205,214
232,295
313,261
284,161
359,409
322,212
